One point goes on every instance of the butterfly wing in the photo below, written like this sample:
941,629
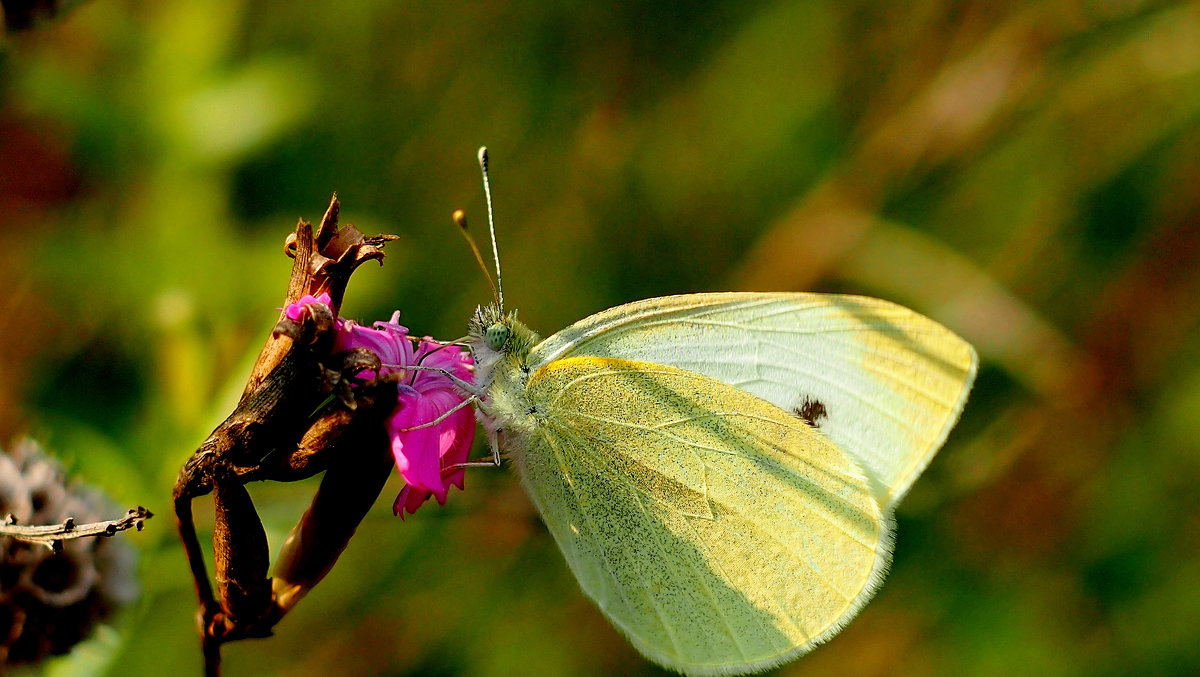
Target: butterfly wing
881,381
720,533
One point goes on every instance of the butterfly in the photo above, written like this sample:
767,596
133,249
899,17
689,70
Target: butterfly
720,470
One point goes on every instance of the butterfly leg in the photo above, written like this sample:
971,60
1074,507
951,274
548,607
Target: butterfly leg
494,462
458,342
467,386
470,400
494,445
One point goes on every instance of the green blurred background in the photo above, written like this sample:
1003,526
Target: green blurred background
1026,173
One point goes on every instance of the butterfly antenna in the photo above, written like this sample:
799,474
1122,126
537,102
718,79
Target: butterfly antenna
460,217
487,191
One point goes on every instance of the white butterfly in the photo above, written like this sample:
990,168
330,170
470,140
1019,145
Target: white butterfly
720,470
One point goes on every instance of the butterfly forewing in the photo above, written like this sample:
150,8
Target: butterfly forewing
721,533
882,382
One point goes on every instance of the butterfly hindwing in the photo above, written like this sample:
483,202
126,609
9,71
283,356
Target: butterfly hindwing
719,532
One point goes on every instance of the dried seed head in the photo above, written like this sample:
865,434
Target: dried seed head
51,599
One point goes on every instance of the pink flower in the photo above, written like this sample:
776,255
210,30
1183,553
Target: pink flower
425,456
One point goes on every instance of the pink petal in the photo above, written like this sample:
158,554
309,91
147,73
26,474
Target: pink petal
423,453
409,499
294,310
390,342
456,448
416,451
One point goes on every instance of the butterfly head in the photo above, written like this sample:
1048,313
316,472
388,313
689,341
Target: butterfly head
496,335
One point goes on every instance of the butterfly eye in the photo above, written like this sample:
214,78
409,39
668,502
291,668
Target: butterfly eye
497,336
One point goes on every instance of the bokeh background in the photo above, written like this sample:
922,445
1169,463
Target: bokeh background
1026,173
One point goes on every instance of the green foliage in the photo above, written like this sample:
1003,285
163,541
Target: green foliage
1022,172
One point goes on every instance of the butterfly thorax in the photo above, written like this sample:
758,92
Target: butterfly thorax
501,346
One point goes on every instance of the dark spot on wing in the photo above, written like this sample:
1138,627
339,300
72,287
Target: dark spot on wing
811,411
